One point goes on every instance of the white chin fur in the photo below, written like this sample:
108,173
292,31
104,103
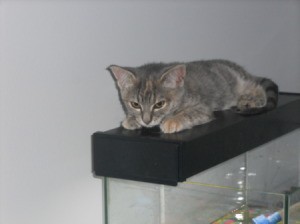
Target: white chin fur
148,125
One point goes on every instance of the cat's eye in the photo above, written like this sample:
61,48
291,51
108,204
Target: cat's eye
135,105
159,105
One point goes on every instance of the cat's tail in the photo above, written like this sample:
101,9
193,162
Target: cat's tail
271,89
271,93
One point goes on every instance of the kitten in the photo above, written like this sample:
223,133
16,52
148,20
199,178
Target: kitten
178,96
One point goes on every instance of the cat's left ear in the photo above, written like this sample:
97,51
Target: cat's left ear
174,77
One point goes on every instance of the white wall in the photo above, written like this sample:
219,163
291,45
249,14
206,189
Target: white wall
55,91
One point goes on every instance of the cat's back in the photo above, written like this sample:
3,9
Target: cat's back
196,71
209,67
214,73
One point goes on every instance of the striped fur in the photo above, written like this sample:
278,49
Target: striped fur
178,96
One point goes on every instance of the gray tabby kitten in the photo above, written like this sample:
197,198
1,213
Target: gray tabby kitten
178,96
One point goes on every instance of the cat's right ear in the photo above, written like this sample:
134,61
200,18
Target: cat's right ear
123,77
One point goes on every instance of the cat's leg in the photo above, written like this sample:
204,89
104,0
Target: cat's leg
254,98
250,101
130,123
186,119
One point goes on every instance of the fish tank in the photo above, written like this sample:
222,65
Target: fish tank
253,186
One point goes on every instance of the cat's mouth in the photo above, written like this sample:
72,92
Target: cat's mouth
150,125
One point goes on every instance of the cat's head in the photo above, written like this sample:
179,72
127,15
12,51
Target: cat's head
151,92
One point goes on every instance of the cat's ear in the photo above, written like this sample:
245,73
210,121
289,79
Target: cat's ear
123,77
174,77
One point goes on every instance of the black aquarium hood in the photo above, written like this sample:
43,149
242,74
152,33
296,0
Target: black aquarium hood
152,156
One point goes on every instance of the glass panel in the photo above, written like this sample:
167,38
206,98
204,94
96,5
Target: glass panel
263,204
274,167
135,203
256,185
132,202
196,203
293,210
256,206
231,173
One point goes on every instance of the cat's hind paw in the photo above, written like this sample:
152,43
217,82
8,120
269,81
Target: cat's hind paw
131,124
248,101
250,104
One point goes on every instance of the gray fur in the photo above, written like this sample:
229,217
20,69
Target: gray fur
189,93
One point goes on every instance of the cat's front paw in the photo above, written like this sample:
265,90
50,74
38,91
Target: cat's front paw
172,125
131,124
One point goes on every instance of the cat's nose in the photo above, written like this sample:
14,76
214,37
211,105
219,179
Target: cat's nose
147,118
147,121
